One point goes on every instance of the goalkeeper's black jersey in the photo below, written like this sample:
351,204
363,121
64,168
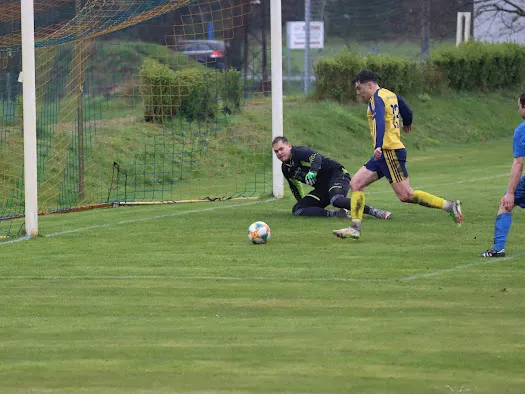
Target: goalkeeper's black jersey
303,160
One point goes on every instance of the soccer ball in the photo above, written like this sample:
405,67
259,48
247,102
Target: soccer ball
259,232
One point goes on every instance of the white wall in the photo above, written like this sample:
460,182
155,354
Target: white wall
498,27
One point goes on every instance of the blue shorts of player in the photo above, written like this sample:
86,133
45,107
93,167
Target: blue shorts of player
392,165
519,194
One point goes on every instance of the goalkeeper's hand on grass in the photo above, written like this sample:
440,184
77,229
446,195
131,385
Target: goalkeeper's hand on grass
310,178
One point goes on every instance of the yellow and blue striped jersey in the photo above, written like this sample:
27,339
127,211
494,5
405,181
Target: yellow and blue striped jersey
383,113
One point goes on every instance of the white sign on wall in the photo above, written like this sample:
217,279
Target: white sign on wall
296,35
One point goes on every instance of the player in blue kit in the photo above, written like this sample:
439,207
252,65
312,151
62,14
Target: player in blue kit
515,194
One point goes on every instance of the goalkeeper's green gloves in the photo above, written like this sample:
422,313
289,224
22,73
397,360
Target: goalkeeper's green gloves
310,178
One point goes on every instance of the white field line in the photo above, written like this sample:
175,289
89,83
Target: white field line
219,207
182,213
413,277
482,261
408,278
172,277
14,241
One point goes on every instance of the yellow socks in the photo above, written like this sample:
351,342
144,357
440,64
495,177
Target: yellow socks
357,206
424,199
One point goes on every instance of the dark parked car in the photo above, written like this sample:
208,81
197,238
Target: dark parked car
209,52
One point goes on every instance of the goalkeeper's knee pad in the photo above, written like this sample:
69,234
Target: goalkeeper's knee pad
339,201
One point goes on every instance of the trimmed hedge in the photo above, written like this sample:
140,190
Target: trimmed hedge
477,65
471,66
195,93
335,74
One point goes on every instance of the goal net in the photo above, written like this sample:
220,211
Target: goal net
137,102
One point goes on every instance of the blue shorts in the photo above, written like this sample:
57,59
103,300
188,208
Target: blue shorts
519,194
392,164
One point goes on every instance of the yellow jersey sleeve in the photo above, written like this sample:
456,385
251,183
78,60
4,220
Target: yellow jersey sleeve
383,119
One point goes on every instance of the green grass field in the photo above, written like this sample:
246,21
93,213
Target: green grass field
174,298
169,299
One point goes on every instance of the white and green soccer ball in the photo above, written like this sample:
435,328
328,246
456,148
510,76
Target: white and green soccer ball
259,233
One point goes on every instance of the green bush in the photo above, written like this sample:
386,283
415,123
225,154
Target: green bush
231,89
335,74
470,66
399,75
194,93
477,65
167,93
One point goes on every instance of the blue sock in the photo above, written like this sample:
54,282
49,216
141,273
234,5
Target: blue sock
501,230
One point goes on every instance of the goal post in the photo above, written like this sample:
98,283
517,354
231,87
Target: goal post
277,92
29,118
137,102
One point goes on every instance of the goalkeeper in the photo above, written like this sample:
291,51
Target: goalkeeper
329,179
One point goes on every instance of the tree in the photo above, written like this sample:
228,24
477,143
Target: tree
511,7
509,14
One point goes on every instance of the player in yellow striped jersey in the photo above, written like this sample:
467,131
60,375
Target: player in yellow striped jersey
389,159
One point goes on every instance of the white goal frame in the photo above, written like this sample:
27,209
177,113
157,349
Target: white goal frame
277,92
28,79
